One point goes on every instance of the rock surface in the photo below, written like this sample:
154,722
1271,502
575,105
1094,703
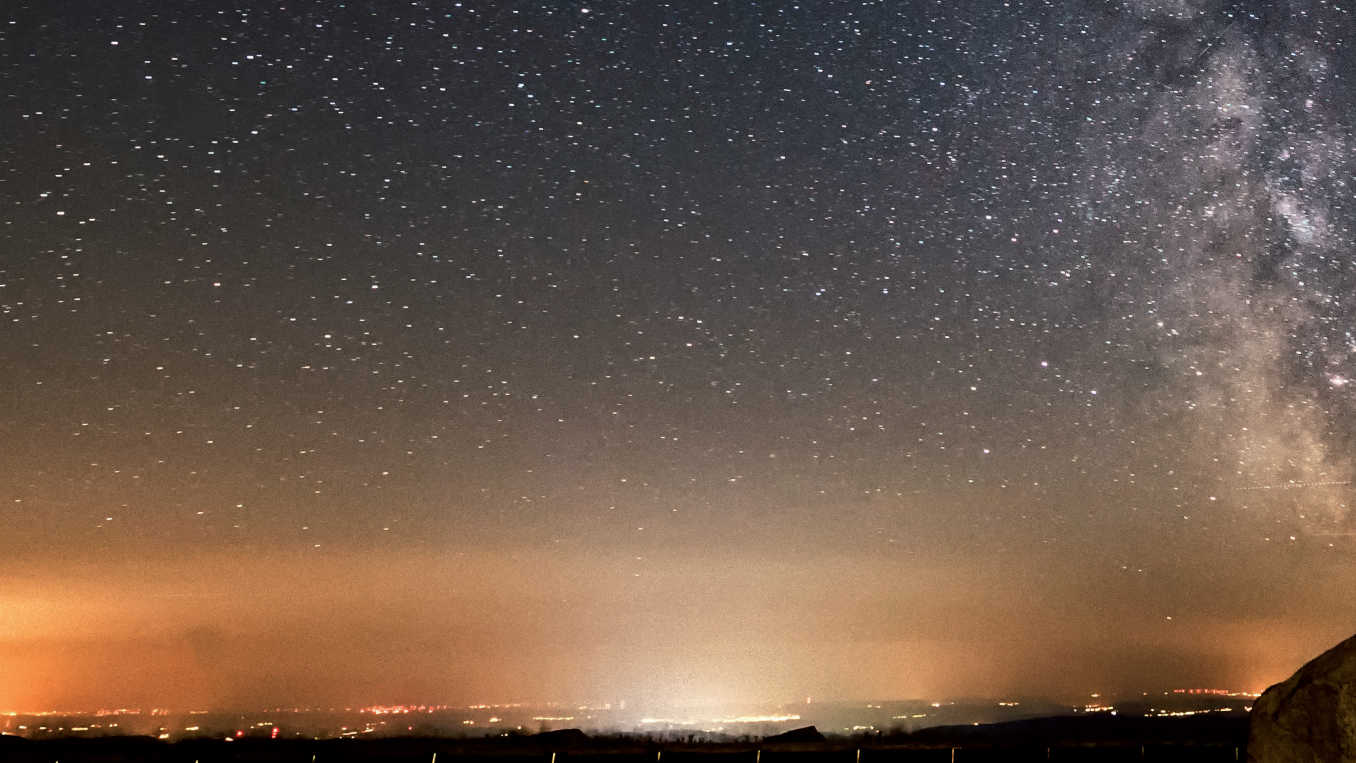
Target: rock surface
1310,716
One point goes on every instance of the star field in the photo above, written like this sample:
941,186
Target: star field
1044,308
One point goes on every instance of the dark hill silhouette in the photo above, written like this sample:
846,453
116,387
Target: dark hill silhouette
803,735
562,737
1099,729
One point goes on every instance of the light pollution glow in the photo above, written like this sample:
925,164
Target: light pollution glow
541,627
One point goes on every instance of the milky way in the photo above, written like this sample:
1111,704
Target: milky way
673,351
1246,142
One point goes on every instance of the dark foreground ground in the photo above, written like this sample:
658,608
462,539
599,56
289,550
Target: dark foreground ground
1102,738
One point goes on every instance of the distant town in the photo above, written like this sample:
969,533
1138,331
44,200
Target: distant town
689,724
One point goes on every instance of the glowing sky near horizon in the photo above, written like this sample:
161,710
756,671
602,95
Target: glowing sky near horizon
679,352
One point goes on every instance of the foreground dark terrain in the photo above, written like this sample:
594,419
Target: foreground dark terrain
1102,738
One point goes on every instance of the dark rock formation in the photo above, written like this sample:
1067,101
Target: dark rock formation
803,735
1310,716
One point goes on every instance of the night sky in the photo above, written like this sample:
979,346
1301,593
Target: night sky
672,352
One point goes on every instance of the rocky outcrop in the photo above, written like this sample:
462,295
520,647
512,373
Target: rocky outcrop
1310,716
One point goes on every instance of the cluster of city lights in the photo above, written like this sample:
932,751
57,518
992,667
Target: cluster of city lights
401,709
